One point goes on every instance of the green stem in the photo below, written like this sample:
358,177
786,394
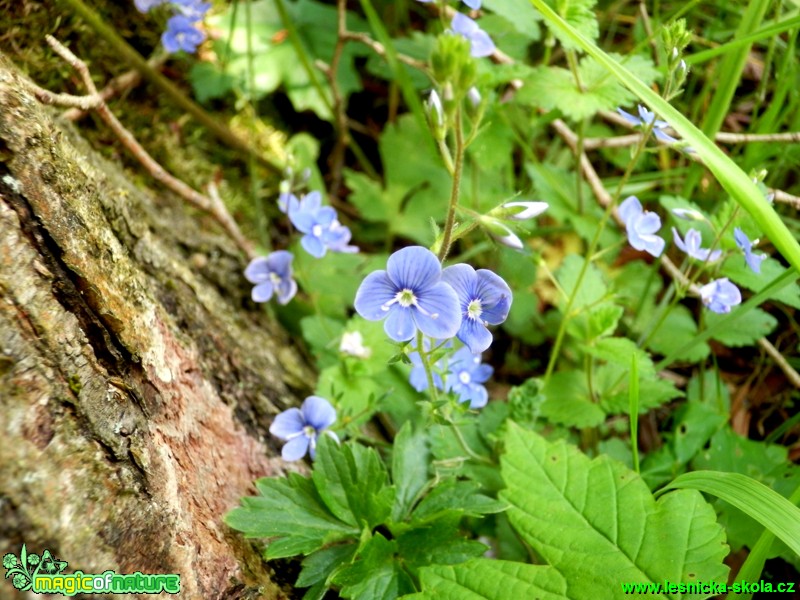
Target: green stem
562,329
426,364
459,164
470,452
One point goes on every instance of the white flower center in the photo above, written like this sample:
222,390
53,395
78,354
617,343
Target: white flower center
316,230
474,309
309,431
275,278
464,377
406,298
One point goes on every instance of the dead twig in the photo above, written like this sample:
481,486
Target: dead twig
94,101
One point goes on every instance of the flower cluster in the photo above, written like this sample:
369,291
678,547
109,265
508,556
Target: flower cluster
464,374
720,295
183,31
319,224
413,293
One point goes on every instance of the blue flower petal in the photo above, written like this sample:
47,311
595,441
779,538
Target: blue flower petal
302,220
482,373
399,324
463,280
415,268
258,270
473,4
295,449
475,335
289,422
318,412
477,396
313,245
629,118
648,224
630,208
440,314
664,137
311,202
374,292
325,216
262,292
286,290
481,44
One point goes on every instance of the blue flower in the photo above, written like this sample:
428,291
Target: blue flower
288,202
322,231
641,226
182,34
484,298
411,295
753,260
480,42
466,374
692,246
300,427
644,119
272,275
720,295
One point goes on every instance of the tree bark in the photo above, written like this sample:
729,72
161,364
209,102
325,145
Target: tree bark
137,383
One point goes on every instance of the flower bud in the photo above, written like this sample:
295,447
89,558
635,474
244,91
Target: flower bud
688,214
500,233
519,211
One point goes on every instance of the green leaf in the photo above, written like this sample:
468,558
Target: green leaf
481,580
451,497
519,13
375,573
597,524
766,506
554,88
410,458
438,543
677,330
579,14
749,328
318,566
305,525
351,480
593,287
567,401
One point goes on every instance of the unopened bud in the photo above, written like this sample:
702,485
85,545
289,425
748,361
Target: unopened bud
435,109
519,211
501,234
474,97
688,214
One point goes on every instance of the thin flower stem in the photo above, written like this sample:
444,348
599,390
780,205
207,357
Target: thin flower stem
424,357
459,164
470,452
562,329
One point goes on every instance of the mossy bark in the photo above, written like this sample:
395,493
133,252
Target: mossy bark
137,382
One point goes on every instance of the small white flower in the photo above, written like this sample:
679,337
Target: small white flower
353,344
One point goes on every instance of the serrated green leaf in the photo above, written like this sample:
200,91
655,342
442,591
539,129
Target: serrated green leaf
766,506
438,543
317,567
479,580
352,482
592,289
410,458
677,330
451,497
751,326
305,524
597,524
696,423
519,13
567,401
555,88
375,573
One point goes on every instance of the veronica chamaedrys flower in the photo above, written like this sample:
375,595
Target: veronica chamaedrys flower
465,376
272,275
288,202
720,295
641,226
484,299
322,230
753,260
644,119
182,34
691,246
480,44
301,427
411,296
